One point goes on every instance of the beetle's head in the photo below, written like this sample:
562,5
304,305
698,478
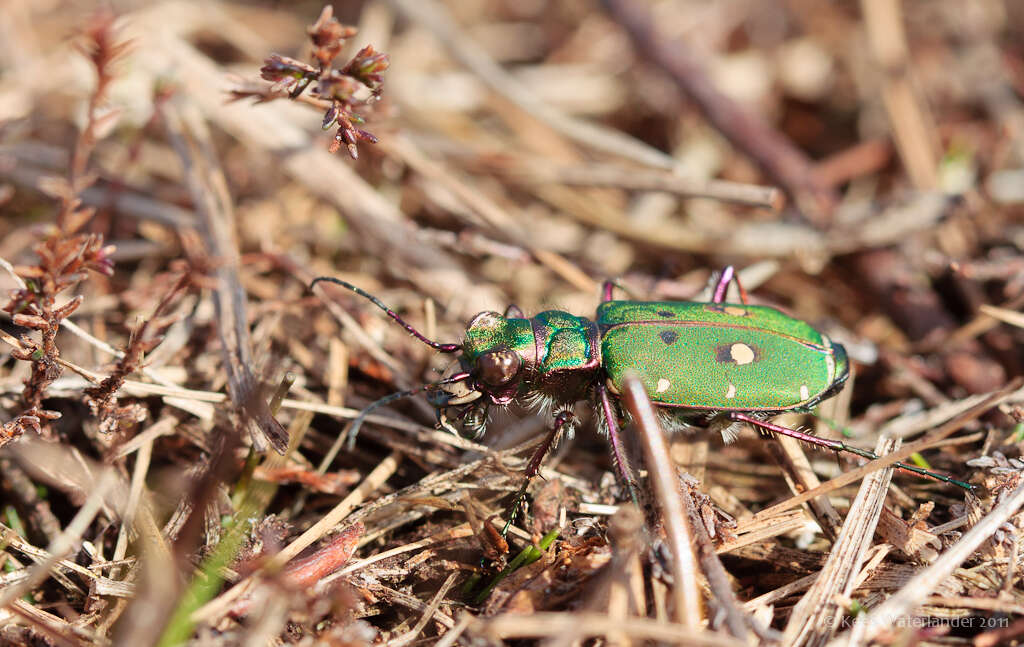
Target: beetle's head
494,361
498,356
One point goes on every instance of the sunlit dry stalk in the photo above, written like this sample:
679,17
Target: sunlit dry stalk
665,484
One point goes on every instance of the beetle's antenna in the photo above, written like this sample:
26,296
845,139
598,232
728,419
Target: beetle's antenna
444,348
353,431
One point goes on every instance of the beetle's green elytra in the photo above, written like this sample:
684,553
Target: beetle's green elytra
726,357
709,364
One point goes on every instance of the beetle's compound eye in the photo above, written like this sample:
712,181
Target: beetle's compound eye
498,367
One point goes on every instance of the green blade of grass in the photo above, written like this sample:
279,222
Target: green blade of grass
527,556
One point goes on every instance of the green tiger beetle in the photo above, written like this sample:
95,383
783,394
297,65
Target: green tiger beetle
704,364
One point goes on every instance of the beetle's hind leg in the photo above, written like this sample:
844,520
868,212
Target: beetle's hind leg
838,446
607,291
564,420
722,286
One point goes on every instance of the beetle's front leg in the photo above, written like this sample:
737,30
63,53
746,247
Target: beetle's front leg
563,420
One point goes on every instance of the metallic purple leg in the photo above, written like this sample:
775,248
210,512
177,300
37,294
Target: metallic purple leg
718,296
606,291
611,420
834,445
838,446
728,275
562,419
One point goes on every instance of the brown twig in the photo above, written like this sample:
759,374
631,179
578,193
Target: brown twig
210,193
101,398
643,179
304,573
63,543
737,622
435,17
216,607
912,128
922,585
769,148
19,486
817,615
789,453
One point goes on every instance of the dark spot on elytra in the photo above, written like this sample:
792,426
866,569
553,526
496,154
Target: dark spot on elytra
668,336
722,353
666,314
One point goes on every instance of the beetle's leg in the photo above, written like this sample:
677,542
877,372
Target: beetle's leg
839,446
607,288
722,286
563,419
611,420
514,312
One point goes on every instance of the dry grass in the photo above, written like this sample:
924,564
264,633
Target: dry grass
172,467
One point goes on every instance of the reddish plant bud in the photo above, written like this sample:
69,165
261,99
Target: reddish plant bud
328,36
29,271
30,321
65,310
278,68
367,66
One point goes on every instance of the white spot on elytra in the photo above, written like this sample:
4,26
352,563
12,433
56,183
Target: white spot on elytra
741,354
804,392
731,392
663,385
